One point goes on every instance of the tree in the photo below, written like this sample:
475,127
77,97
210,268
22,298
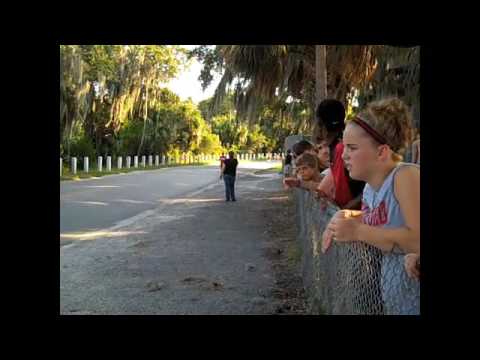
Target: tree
261,73
105,87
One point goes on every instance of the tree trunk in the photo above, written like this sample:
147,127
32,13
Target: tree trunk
320,73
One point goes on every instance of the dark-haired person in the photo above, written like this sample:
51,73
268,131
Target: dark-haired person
330,116
229,172
322,154
288,163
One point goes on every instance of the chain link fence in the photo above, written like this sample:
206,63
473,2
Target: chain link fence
350,278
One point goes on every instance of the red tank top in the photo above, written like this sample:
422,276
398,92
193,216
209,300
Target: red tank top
342,190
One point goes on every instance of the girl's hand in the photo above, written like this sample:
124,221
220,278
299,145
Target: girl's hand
327,238
344,227
412,265
291,182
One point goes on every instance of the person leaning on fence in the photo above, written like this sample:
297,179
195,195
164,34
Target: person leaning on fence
229,170
307,169
416,150
321,153
390,215
412,265
347,192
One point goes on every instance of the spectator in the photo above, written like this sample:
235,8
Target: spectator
323,155
412,265
307,168
416,150
304,147
347,192
390,215
288,163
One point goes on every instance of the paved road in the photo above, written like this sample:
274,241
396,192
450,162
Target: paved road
192,254
95,204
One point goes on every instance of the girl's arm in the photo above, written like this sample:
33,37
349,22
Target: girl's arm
407,192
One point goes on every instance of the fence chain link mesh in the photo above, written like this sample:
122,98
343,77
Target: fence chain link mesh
350,278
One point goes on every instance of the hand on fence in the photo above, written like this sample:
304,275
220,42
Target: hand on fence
344,226
291,182
327,238
412,265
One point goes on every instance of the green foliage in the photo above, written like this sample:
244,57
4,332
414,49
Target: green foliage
82,146
129,138
112,103
210,144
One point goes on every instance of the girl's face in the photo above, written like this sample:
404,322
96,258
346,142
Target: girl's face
360,155
323,153
306,173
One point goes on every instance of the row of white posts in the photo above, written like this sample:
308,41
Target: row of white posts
184,159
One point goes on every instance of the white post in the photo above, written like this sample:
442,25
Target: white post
100,159
157,160
144,160
74,165
61,166
163,159
85,164
135,161
150,160
109,163
119,162
129,162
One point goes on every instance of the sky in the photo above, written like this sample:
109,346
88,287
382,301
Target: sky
187,84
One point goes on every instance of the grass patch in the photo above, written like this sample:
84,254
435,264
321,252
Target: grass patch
67,175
